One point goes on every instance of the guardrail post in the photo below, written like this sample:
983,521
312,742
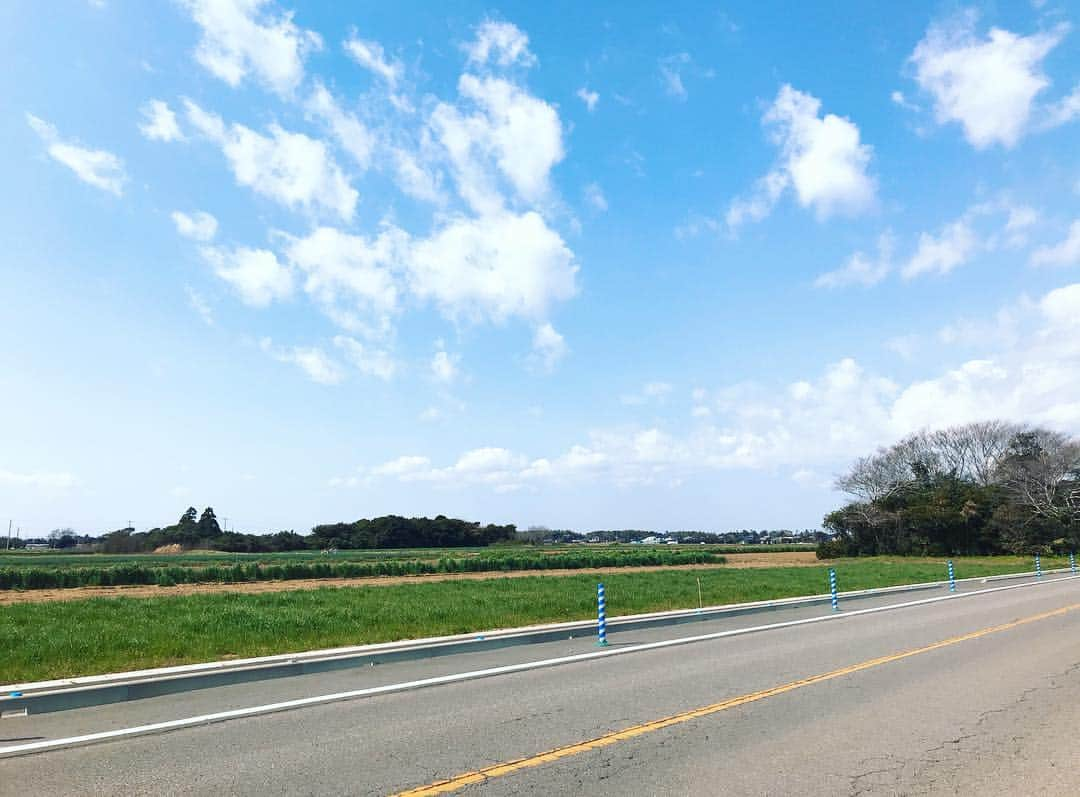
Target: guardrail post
601,617
1038,567
1072,562
832,589
952,577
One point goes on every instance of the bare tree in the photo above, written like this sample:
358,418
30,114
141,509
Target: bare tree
1041,471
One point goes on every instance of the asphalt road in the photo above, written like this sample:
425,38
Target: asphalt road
989,714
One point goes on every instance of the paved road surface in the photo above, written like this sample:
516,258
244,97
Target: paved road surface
991,714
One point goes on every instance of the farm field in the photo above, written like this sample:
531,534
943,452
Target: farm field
82,637
203,558
54,571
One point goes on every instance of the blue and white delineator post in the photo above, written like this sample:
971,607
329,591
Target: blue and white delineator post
601,617
832,590
1038,567
952,577
1072,563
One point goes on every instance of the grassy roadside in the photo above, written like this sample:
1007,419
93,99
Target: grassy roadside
51,640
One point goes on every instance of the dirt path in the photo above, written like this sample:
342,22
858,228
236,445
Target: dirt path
742,560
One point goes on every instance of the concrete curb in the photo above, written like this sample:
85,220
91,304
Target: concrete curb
66,694
273,708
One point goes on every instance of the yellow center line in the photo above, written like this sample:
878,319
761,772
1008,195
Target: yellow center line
608,739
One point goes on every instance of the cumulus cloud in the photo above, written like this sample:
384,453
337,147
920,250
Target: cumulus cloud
198,226
861,269
496,267
256,274
96,167
548,347
350,273
988,85
444,367
1066,253
941,253
821,157
159,122
250,37
506,133
312,360
499,43
488,269
290,168
352,135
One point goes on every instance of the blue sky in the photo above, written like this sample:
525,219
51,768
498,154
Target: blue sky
580,265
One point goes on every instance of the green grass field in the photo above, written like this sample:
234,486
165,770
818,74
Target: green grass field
50,640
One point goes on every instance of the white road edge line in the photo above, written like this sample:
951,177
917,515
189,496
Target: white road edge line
271,708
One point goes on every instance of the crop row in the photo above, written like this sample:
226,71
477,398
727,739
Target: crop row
127,574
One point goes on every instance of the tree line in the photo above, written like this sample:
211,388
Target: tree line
983,488
195,531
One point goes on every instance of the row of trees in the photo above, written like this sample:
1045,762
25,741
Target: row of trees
984,488
203,531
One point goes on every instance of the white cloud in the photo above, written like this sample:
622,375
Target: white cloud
290,168
39,480
755,207
594,196
352,134
940,254
312,360
1066,253
368,360
987,85
590,98
548,347
821,157
512,134
97,167
242,37
1061,112
199,305
444,367
861,269
496,267
500,43
255,274
671,67
415,177
403,467
370,55
160,122
350,273
199,226
817,424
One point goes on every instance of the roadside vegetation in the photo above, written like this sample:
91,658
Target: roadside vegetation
984,488
60,639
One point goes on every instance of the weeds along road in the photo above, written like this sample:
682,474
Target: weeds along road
975,695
